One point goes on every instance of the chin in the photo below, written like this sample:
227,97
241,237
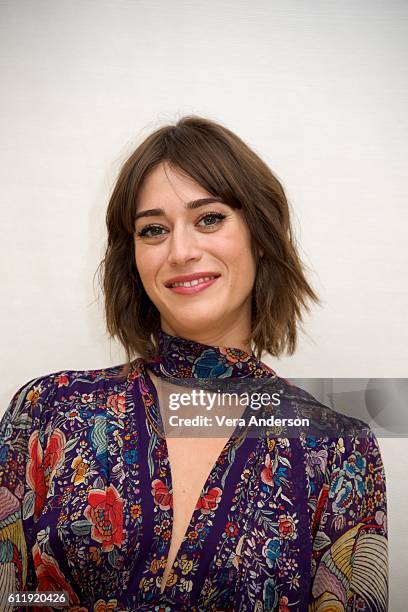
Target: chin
194,320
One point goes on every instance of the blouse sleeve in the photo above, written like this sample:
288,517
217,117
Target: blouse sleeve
20,487
349,528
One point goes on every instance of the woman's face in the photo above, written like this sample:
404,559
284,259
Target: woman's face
178,241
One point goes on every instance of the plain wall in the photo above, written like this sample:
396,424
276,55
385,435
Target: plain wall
318,89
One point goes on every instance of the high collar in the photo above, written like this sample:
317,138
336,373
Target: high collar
183,358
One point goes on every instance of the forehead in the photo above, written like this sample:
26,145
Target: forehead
165,183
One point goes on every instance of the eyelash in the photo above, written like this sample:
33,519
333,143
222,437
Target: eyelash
142,233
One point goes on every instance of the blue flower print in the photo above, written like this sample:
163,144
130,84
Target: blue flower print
355,465
344,498
131,456
209,364
311,442
271,551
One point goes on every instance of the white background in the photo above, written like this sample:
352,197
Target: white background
318,89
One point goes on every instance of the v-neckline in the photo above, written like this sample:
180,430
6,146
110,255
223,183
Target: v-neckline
169,480
205,487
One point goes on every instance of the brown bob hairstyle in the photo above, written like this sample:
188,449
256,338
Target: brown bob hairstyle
228,169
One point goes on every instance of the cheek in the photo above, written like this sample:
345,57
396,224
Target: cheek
146,264
237,253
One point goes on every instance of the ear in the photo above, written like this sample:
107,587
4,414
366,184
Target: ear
260,252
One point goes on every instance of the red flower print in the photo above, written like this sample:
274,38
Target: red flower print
87,398
118,403
39,473
162,497
231,529
321,502
133,375
283,601
209,501
105,512
267,472
50,577
287,527
53,454
62,380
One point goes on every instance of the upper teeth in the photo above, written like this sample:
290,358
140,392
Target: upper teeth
196,281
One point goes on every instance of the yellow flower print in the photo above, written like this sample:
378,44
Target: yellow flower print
185,585
369,485
146,584
156,564
172,578
81,468
339,447
186,565
118,439
135,511
378,497
271,444
33,395
95,554
105,606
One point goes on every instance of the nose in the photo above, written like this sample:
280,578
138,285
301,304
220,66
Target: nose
183,246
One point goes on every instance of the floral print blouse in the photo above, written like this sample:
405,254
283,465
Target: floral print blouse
282,523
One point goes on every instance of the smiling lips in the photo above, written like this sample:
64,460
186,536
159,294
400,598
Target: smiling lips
193,283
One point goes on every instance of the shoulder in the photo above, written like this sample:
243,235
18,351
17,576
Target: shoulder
323,418
97,377
331,437
47,395
49,383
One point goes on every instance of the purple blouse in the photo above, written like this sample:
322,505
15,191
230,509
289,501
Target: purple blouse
282,523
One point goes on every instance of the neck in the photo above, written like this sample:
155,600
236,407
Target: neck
184,358
231,337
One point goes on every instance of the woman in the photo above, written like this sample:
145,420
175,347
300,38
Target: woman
200,265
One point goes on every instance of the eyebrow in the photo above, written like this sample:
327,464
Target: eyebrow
159,212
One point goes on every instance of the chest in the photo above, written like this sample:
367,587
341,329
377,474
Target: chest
191,462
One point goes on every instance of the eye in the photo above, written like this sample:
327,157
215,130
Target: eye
156,231
212,215
144,233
